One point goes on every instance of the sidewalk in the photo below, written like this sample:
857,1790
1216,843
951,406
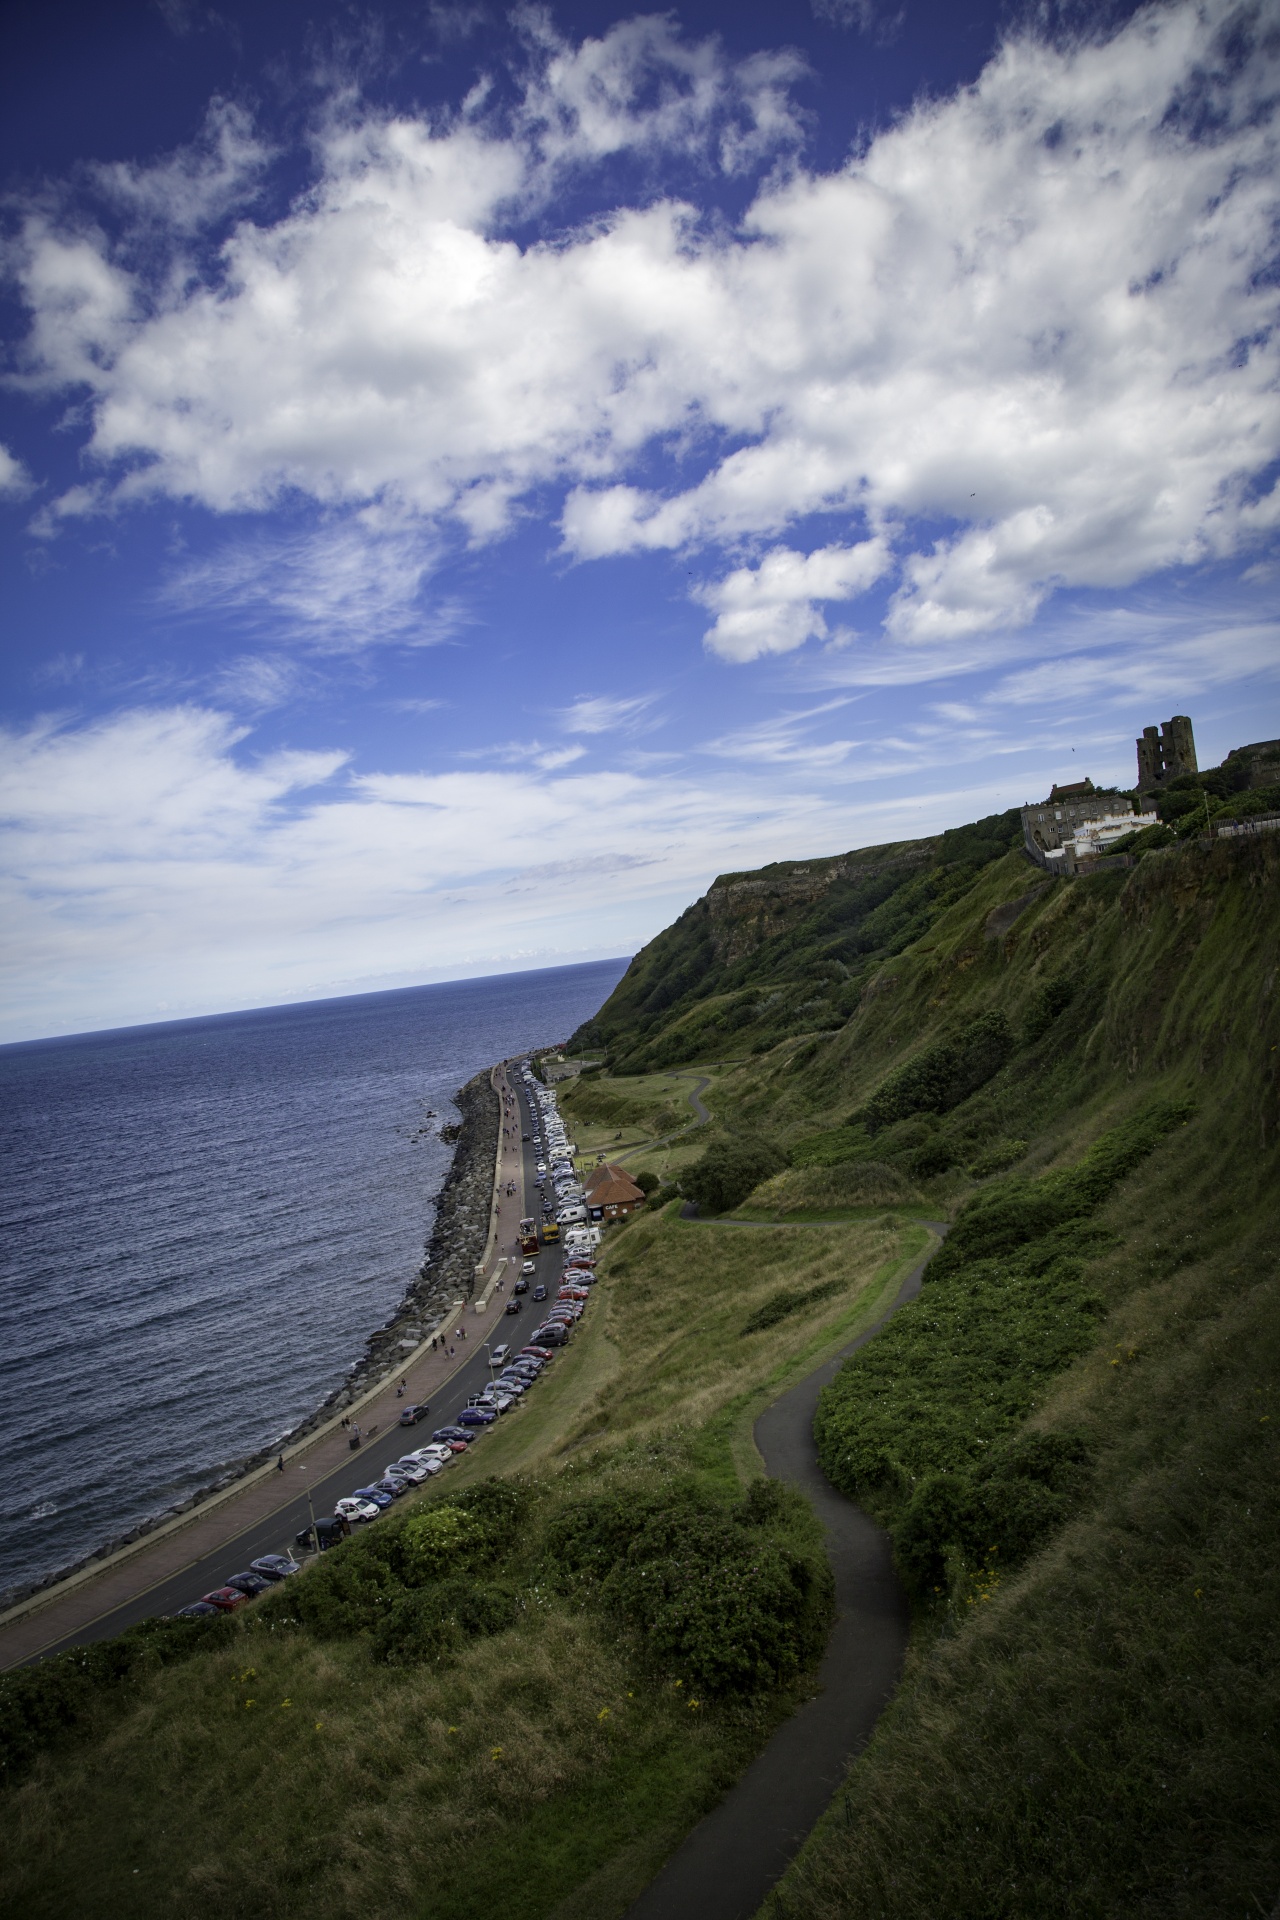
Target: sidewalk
74,1604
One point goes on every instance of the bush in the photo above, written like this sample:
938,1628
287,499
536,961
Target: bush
728,1171
647,1181
429,1624
943,1075
718,1593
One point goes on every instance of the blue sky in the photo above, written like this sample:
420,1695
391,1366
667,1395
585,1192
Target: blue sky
470,475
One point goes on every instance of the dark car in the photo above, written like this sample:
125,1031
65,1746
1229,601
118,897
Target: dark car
553,1336
521,1286
539,1293
274,1566
327,1534
198,1610
224,1599
476,1417
410,1416
380,1496
249,1584
514,1306
446,1434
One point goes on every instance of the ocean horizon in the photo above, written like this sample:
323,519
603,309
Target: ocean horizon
204,1219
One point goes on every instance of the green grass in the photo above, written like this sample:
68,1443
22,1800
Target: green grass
356,1796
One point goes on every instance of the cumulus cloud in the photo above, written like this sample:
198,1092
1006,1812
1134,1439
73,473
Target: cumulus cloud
773,607
1026,335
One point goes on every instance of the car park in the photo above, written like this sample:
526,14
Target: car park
249,1584
275,1566
225,1599
357,1508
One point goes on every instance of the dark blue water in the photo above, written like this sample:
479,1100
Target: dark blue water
202,1221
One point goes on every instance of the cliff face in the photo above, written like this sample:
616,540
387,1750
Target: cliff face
785,949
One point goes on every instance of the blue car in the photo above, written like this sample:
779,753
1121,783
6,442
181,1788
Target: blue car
476,1417
378,1495
449,1433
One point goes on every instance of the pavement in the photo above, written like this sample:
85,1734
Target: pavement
262,1514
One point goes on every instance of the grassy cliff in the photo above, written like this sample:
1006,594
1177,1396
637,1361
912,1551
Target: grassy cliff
1070,1436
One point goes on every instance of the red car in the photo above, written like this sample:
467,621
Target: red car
540,1353
225,1599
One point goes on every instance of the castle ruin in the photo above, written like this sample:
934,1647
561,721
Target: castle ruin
1165,752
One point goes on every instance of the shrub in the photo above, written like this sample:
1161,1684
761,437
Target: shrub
788,1300
429,1624
728,1170
647,1181
943,1076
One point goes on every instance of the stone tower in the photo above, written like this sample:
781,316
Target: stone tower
1164,752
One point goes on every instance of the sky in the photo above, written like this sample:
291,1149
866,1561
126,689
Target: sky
469,475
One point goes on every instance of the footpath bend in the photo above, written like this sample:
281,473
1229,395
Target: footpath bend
725,1868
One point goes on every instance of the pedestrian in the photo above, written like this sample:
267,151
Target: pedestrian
345,1421
400,1391
433,1343
451,1353
280,1463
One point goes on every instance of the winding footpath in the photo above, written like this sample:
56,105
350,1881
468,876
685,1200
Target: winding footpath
726,1867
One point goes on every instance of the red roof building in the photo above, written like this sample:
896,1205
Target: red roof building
611,1193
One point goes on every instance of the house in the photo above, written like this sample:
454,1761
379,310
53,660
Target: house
611,1193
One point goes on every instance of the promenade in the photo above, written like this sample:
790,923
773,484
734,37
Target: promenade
139,1578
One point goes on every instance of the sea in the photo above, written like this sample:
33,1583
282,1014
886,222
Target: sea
202,1221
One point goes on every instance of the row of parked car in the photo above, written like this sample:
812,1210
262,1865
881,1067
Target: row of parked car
513,1376
557,1175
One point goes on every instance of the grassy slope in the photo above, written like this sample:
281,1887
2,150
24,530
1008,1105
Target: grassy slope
357,1795
1092,1731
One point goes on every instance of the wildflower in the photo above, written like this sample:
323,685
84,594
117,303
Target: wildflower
694,1705
248,1703
286,1703
495,1753
319,1725
603,1714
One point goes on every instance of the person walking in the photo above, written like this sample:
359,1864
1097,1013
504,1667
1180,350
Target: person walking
280,1463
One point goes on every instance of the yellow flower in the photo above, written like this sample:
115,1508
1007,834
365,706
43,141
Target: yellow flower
693,1704
248,1703
603,1714
495,1753
286,1703
453,1729
319,1725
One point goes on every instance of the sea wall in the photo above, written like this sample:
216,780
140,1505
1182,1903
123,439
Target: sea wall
458,1236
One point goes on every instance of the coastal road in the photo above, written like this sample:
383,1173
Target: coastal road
202,1555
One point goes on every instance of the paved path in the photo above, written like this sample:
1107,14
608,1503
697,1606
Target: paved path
263,1512
726,1866
700,1119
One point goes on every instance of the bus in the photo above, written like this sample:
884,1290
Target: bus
528,1236
550,1232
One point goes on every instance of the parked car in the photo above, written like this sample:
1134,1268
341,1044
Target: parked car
393,1483
249,1584
450,1433
500,1353
274,1566
410,1416
376,1496
327,1534
197,1610
358,1507
225,1599
539,1353
412,1467
477,1417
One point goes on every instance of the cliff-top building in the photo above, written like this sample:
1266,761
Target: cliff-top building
1164,752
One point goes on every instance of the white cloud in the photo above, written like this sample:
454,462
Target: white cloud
605,713
15,481
345,586
1039,314
196,185
147,859
773,607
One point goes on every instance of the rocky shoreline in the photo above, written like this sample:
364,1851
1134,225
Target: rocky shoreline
447,1275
